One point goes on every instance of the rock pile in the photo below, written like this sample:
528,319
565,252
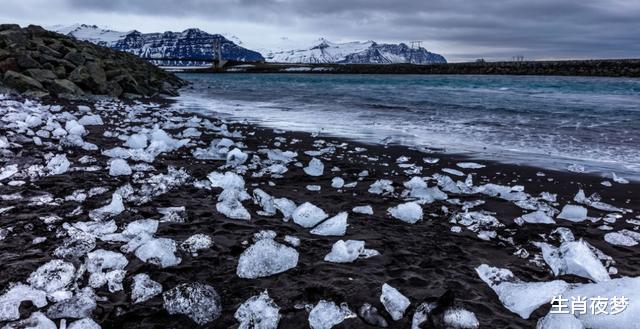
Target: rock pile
37,62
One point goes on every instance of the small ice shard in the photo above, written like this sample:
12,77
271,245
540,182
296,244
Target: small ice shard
334,226
619,179
143,288
409,212
308,215
104,260
315,168
292,240
624,238
264,200
346,251
265,258
574,258
173,214
518,296
78,306
314,188
258,312
91,120
365,210
200,302
470,165
417,188
577,168
371,316
394,302
538,217
573,213
226,181
337,182
382,187
160,251
16,294
327,314
459,318
58,165
119,167
231,206
196,243
137,141
8,171
236,157
37,320
559,321
594,202
285,206
86,323
74,128
52,276
114,208
454,172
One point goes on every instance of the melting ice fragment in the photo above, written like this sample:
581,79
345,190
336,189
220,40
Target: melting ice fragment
337,182
85,323
470,165
538,217
575,258
327,314
119,167
308,215
394,302
365,210
370,315
409,212
258,312
334,226
285,206
236,157
382,187
79,306
200,302
16,294
265,258
58,165
573,213
559,321
52,276
114,208
315,168
160,251
143,288
516,295
348,251
625,238
196,243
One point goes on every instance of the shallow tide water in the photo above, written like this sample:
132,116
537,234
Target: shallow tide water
551,122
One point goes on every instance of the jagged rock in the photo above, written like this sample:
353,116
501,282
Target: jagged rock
61,87
21,82
75,57
26,62
41,75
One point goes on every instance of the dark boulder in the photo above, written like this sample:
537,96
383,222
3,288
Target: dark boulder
64,88
26,62
21,82
75,57
41,75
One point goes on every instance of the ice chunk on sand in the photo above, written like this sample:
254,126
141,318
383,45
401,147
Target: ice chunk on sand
236,157
337,182
470,165
345,251
618,179
459,318
382,187
37,320
79,306
264,200
409,212
265,258
231,206
200,302
160,251
574,258
452,171
16,294
285,206
516,295
119,167
58,165
538,217
417,188
626,287
370,315
104,260
196,243
114,208
8,171
52,276
623,238
365,210
559,321
228,180
394,302
143,288
85,323
173,214
573,213
137,141
91,120
308,215
327,314
74,128
334,226
258,312
315,168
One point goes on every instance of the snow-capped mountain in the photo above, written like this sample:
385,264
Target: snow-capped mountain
368,52
190,43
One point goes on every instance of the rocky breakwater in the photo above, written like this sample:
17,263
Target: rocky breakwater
37,62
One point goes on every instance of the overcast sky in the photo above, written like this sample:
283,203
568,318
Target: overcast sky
458,29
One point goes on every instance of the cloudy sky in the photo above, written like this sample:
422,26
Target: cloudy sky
458,29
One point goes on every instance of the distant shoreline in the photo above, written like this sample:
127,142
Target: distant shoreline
600,68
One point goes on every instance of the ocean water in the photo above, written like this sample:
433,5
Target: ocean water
547,121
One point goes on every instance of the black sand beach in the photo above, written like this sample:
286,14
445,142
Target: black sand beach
422,260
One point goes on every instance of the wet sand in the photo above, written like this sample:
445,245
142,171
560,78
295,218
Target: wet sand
423,260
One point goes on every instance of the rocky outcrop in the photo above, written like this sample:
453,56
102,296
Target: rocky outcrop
37,62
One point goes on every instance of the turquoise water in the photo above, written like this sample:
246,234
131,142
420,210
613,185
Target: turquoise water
546,121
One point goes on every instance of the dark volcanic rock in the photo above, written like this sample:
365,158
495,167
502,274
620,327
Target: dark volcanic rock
38,62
